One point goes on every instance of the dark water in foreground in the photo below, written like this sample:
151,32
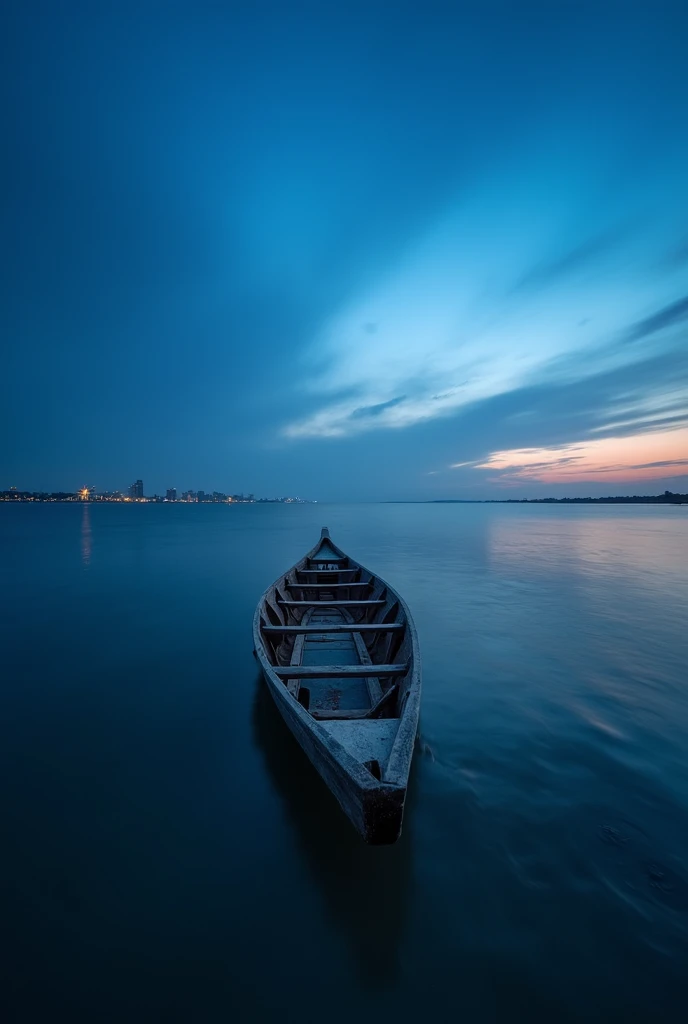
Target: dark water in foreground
169,855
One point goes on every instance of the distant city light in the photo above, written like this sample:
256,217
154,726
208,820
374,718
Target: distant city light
135,494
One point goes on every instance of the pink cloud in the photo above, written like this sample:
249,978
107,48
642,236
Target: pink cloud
642,457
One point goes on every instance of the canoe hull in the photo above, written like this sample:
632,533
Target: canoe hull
366,767
375,810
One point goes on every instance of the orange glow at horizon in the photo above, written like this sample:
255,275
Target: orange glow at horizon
643,457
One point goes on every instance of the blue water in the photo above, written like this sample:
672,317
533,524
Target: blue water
169,855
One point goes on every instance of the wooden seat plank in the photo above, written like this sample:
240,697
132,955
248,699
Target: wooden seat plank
348,627
328,604
337,671
319,572
328,586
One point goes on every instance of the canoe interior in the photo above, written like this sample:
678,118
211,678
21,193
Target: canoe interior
337,693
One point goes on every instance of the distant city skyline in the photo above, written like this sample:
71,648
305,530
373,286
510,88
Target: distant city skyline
135,494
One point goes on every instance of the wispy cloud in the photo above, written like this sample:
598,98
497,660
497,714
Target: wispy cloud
460,321
371,411
647,457
590,252
669,316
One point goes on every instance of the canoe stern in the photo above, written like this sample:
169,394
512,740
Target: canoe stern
375,808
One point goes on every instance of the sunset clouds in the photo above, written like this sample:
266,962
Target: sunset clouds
641,458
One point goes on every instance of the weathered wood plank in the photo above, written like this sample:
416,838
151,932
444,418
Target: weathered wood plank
297,652
294,685
355,713
327,604
384,700
318,572
338,627
372,682
328,586
337,671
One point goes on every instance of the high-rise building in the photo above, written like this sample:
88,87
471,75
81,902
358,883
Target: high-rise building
171,493
201,495
136,490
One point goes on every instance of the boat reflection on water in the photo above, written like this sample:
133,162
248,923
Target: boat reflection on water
365,889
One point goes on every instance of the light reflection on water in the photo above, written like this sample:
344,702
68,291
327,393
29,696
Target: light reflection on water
597,542
86,535
161,814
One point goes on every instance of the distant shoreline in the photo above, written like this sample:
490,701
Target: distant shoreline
668,498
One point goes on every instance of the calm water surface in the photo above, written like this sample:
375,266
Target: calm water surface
170,855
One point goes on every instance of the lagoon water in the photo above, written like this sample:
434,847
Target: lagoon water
169,855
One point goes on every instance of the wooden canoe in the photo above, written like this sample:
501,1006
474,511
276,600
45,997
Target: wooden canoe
339,652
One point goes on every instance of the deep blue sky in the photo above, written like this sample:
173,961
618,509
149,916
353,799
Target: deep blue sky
346,250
